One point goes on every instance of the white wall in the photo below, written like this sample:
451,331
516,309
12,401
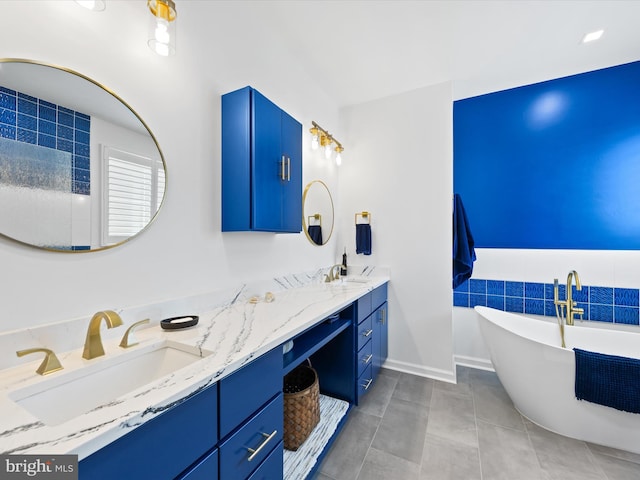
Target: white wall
221,47
398,166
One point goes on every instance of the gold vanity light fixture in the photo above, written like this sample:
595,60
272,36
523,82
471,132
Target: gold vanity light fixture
95,5
322,138
162,27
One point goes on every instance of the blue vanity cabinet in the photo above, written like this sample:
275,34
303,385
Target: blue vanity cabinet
261,165
371,344
251,418
179,441
380,340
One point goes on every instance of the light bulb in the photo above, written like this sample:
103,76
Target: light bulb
315,142
338,159
162,31
327,151
162,27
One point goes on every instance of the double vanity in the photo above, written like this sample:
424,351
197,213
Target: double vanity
206,401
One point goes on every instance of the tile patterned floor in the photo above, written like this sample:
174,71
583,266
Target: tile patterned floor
413,428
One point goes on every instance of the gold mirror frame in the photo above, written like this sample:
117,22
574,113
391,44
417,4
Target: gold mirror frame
306,214
102,96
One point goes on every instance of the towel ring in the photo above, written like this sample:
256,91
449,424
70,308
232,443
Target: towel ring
315,216
364,215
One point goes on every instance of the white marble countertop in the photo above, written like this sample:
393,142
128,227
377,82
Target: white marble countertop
233,333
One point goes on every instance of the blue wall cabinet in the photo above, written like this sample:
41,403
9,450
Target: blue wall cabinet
261,165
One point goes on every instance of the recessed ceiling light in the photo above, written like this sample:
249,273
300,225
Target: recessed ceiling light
592,36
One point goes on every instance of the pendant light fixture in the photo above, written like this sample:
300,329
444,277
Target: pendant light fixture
322,138
162,27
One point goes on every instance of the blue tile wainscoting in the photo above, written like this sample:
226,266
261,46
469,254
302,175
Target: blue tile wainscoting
28,119
601,304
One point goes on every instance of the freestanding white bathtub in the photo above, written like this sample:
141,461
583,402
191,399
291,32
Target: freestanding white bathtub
539,375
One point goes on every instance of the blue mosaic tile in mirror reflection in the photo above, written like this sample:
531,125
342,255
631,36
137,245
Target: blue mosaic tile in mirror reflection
460,299
44,124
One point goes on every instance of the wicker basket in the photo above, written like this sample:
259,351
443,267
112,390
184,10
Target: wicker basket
301,405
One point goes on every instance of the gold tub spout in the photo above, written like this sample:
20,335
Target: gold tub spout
93,344
572,310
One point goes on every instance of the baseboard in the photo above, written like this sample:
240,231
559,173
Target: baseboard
473,362
434,373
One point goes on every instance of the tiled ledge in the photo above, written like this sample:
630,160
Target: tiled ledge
601,304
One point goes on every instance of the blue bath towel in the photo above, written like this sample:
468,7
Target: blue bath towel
463,252
315,233
363,238
608,380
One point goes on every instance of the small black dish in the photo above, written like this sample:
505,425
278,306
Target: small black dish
178,323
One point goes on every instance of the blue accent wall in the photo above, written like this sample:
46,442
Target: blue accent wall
32,120
554,164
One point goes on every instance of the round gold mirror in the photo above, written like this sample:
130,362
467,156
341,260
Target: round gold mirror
317,212
79,169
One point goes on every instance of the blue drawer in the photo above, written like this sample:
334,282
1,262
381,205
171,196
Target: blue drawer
365,381
365,356
364,307
378,296
246,390
236,460
163,447
365,331
271,468
205,469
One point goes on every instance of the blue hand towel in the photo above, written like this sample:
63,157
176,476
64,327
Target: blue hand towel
608,380
463,252
363,238
315,233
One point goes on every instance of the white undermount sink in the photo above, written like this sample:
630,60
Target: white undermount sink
66,395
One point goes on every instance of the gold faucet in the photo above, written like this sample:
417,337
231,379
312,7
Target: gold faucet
571,305
127,339
93,344
50,363
330,277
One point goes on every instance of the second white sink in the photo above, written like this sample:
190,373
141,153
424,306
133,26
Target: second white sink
68,395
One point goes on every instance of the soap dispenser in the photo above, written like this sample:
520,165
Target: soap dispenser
343,269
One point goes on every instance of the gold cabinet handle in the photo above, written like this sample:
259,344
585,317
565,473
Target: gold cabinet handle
267,439
367,333
288,169
383,315
367,359
283,168
368,384
50,363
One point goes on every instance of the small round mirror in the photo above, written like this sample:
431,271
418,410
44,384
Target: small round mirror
79,169
317,211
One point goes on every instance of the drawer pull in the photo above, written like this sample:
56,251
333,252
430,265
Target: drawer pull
367,333
367,359
368,384
267,439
